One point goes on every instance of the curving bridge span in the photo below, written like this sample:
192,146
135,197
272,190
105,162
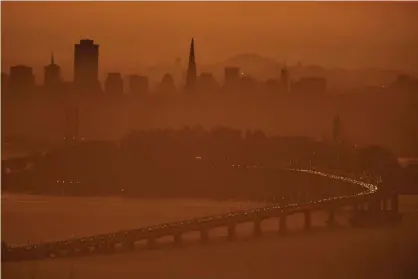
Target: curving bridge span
370,205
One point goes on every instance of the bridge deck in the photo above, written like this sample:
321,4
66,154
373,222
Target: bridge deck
199,224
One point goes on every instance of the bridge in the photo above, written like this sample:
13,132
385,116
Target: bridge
370,205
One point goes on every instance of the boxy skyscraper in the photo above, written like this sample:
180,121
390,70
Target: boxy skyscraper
86,66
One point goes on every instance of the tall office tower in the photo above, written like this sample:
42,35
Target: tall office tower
71,125
86,66
21,79
336,129
167,84
191,70
138,85
114,84
232,76
206,82
52,75
284,79
4,83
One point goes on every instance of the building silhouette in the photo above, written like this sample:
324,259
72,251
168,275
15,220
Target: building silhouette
21,79
71,125
311,85
167,84
138,85
207,82
52,75
86,66
248,83
114,83
284,79
191,70
232,76
272,85
4,83
336,129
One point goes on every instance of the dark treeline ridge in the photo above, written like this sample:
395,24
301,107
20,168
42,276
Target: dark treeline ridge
199,163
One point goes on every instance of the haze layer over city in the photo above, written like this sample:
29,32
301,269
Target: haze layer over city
209,140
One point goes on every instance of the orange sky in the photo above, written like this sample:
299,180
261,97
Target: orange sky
134,34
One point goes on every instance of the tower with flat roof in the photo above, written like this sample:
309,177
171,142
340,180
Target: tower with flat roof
21,79
114,84
86,65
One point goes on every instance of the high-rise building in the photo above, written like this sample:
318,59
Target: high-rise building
138,85
21,79
207,82
114,83
191,70
4,83
167,84
71,125
86,65
272,85
336,129
311,85
52,75
284,79
232,76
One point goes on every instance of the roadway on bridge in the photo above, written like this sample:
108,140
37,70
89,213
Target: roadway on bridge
349,253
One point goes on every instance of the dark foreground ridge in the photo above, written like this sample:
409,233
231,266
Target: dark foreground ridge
370,206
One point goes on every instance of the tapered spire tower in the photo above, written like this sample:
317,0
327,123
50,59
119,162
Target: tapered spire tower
191,70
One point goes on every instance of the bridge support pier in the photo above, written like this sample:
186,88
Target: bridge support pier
331,217
282,224
231,232
360,207
307,224
151,244
394,204
104,247
85,249
257,228
129,245
378,211
177,239
77,251
384,204
204,236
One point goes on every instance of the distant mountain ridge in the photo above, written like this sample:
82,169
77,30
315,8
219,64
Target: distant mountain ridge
262,68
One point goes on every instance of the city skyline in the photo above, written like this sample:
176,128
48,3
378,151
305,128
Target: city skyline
228,139
285,37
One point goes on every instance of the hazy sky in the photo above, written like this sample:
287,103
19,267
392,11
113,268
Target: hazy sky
134,34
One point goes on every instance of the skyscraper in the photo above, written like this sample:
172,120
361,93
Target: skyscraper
232,76
52,77
167,84
191,70
114,83
138,85
21,79
86,65
336,129
206,82
71,125
4,83
284,79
